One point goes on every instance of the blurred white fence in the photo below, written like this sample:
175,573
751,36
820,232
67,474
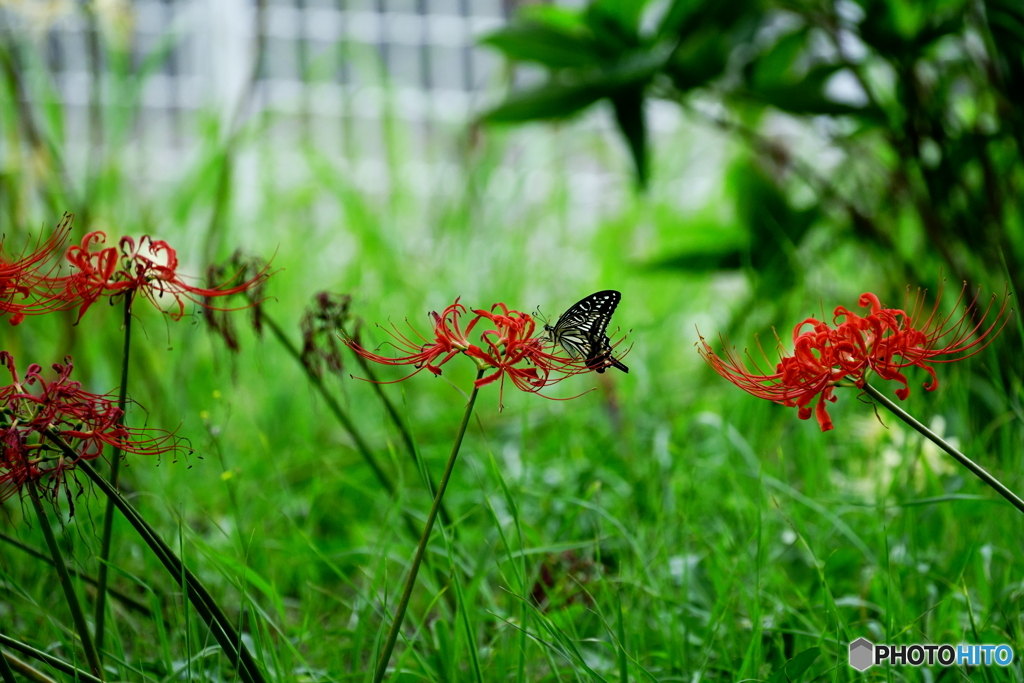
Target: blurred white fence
330,69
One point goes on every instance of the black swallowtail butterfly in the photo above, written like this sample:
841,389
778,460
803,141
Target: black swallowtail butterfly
581,330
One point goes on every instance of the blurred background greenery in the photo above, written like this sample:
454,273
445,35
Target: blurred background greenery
727,167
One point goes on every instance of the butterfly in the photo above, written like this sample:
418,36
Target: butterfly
581,330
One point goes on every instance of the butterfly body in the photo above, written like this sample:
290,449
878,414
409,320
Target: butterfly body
582,330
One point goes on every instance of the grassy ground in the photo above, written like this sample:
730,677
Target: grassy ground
664,526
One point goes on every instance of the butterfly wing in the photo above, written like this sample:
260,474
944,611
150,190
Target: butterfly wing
581,330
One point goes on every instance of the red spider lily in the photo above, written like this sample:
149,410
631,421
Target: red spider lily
885,341
511,344
148,268
922,337
449,341
25,281
798,379
36,411
509,348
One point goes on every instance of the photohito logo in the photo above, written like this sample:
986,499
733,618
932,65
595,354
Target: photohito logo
864,654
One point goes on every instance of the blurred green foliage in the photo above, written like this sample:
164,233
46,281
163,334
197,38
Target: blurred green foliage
664,526
922,102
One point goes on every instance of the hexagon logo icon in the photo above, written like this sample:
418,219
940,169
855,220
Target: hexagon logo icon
861,654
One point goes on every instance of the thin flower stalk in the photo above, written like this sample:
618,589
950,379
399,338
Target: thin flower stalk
974,467
64,578
30,673
128,601
115,466
321,325
417,559
200,598
403,429
36,412
6,674
508,349
74,672
146,268
362,447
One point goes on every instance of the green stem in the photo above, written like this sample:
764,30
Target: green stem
200,598
934,438
129,601
229,484
334,407
65,582
48,659
115,465
346,422
30,673
417,559
407,439
360,442
219,624
5,670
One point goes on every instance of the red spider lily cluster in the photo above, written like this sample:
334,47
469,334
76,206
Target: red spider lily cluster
26,285
885,341
36,413
30,285
510,348
148,268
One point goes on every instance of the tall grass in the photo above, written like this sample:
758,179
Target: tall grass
663,526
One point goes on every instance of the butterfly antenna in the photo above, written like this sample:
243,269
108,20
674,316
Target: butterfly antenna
537,314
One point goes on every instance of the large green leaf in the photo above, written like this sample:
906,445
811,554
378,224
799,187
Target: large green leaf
706,260
626,13
552,46
807,96
700,57
685,16
774,224
775,227
613,38
677,16
629,114
562,18
1006,22
779,64
780,77
901,29
550,101
701,242
559,98
1007,17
